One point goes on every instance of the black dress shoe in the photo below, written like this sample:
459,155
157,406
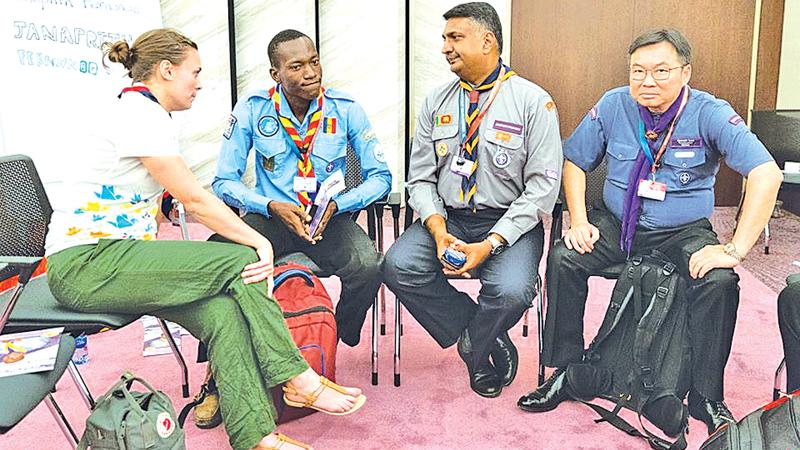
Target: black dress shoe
547,396
483,380
505,358
712,413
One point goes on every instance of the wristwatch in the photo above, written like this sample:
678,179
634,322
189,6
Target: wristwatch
730,250
497,245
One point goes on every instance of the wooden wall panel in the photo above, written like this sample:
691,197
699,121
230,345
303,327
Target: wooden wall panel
769,54
577,50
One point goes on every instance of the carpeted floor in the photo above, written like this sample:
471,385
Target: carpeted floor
434,408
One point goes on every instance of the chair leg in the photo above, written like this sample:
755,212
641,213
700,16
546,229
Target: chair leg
525,321
382,291
65,427
766,239
398,307
398,332
178,357
83,389
375,341
540,305
776,386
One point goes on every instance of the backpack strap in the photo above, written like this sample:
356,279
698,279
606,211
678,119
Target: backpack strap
610,324
613,418
291,273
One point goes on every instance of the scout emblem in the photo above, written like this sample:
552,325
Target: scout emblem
441,149
684,178
329,167
268,126
502,159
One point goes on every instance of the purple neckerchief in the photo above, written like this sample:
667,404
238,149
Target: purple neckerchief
632,202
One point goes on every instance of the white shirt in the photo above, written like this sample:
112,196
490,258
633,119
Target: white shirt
111,195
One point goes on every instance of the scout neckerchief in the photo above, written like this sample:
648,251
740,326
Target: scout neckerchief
649,132
140,89
305,145
469,140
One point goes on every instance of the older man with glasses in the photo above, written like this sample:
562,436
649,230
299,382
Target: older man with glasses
663,141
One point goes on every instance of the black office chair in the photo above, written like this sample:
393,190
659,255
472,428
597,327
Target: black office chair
779,131
780,371
24,216
22,393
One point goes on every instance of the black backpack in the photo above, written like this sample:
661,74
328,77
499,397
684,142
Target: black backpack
775,426
641,357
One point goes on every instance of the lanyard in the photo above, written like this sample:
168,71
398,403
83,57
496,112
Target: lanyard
465,136
654,162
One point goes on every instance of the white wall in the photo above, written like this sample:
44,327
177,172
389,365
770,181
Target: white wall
789,78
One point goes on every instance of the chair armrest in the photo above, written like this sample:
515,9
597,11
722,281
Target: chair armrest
24,265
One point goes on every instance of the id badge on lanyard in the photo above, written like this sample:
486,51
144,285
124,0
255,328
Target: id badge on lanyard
305,184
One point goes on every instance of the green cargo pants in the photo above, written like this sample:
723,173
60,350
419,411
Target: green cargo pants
197,285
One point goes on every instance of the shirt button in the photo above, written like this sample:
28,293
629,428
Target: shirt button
684,164
619,155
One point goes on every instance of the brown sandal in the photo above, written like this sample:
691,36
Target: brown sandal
310,399
283,439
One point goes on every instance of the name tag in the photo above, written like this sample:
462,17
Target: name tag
305,184
462,166
684,154
653,190
695,142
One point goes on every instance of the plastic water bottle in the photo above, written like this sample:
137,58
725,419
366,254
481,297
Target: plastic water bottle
81,355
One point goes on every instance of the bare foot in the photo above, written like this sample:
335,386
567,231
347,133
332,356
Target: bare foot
283,442
308,383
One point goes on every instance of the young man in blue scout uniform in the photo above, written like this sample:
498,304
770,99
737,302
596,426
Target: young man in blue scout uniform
484,170
663,142
299,132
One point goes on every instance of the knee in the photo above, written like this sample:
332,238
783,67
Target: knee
789,302
393,266
516,296
561,258
725,279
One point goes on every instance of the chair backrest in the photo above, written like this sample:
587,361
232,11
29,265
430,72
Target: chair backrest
780,132
595,180
24,209
352,172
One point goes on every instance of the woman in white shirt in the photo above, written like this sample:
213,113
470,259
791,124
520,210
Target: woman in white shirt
102,256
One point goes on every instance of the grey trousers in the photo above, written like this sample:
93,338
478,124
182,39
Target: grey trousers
412,271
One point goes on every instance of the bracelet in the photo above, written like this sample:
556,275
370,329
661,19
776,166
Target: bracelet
730,250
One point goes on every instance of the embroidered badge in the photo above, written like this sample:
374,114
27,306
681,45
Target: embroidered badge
508,127
368,135
441,149
684,178
552,174
696,142
550,105
502,136
229,130
593,113
268,163
329,167
329,125
502,160
735,120
443,119
268,126
377,151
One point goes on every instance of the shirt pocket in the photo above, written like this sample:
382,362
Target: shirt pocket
684,168
329,154
505,154
445,143
621,162
272,154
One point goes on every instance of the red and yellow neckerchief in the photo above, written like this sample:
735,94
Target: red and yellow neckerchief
305,145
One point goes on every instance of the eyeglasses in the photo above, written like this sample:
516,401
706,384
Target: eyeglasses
660,74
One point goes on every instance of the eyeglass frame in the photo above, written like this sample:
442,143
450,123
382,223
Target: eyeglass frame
652,73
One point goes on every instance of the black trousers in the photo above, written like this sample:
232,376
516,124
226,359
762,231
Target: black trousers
789,323
713,299
346,251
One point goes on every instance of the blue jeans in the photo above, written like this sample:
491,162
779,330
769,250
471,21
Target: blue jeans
412,271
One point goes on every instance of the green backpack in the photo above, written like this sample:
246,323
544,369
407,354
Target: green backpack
128,420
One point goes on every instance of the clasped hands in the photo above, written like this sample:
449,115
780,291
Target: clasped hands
476,253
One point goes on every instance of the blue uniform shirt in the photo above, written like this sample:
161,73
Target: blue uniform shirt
254,125
707,130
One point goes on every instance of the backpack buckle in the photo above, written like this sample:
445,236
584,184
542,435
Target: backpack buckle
668,268
662,292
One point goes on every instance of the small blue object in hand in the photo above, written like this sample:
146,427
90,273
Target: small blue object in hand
454,258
